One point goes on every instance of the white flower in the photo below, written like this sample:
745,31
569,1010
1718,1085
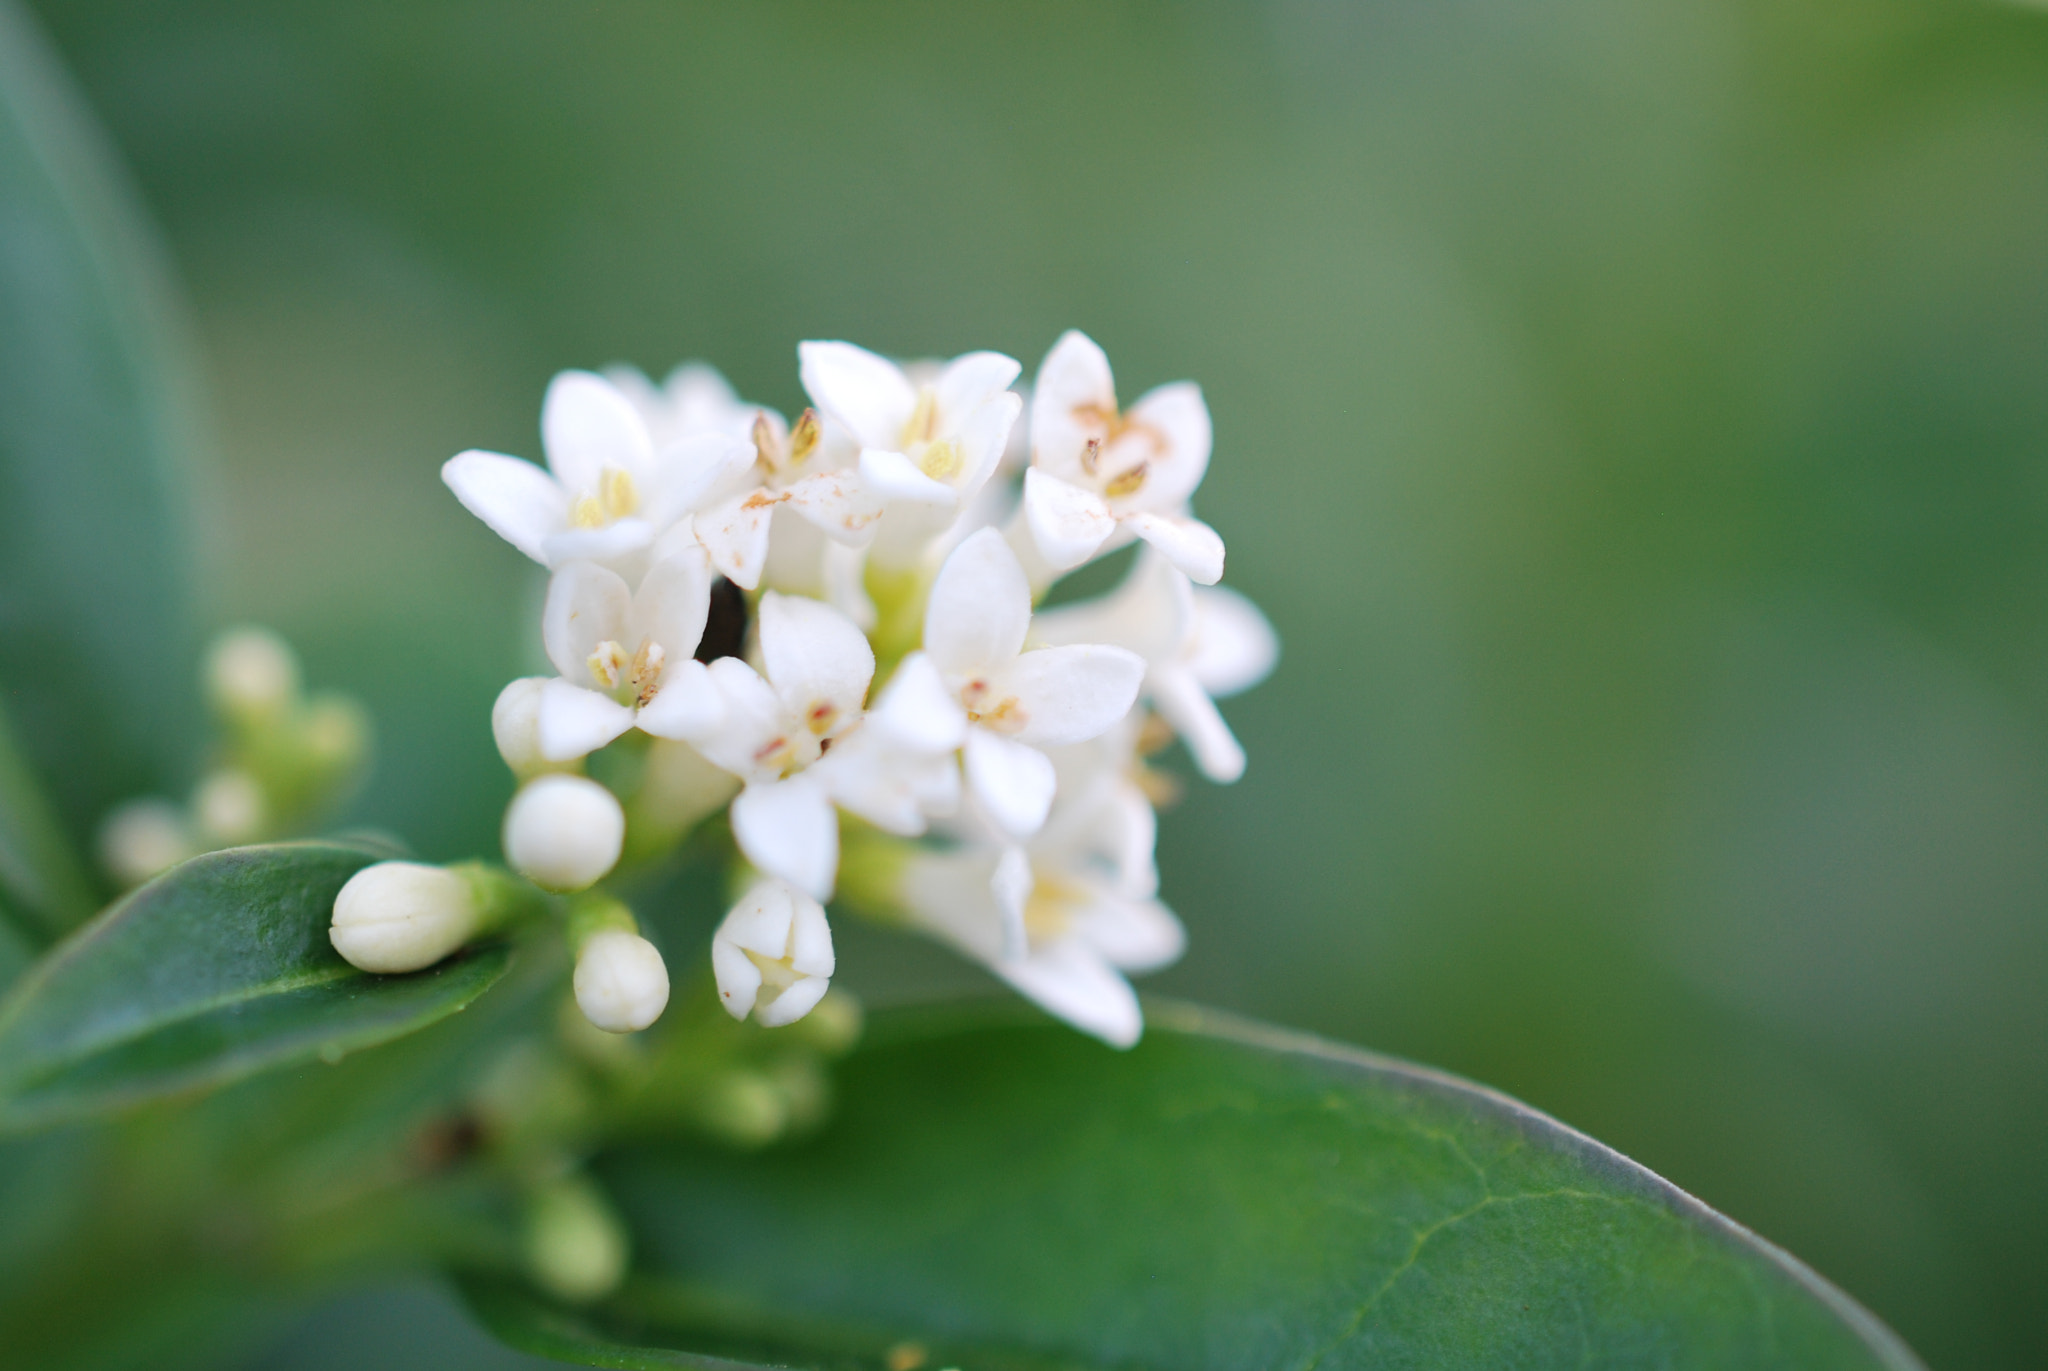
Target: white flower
143,837
607,492
1199,644
1098,472
251,674
621,981
773,954
925,450
564,833
1060,918
1016,702
616,649
402,916
775,734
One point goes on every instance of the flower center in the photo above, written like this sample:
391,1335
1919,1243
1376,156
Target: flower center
639,673
1051,910
1004,714
616,498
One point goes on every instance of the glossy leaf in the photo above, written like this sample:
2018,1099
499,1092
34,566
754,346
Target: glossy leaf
95,569
217,969
995,1194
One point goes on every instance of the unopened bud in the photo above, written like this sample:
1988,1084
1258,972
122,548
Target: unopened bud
515,724
230,807
402,916
575,1244
773,954
621,981
744,1109
564,833
251,673
337,733
142,838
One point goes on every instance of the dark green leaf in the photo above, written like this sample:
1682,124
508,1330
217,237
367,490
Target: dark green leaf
217,969
42,891
996,1194
95,581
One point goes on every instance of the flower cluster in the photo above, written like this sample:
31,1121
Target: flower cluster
828,628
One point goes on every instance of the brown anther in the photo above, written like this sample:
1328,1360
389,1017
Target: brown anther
803,439
770,748
1091,456
821,716
767,448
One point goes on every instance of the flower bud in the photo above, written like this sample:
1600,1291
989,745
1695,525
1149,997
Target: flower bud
142,838
564,833
621,981
336,734
230,807
515,724
575,1245
773,954
251,674
402,916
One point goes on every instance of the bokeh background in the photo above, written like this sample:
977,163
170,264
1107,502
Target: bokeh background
1633,414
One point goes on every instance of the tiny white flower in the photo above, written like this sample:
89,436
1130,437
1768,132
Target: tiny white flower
775,732
616,649
395,917
1061,918
564,833
1199,644
621,982
1098,472
251,673
515,727
773,954
143,837
1016,702
229,807
607,492
926,450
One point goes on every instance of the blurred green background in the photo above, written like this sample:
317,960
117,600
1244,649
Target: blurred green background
1633,414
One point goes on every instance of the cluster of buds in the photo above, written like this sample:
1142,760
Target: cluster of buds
283,758
829,630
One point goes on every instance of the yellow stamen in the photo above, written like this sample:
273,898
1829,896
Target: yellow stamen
940,461
924,420
586,512
1126,483
646,676
803,439
607,662
1050,911
620,496
821,717
767,448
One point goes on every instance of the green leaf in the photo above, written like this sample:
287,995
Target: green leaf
96,640
217,969
42,891
998,1194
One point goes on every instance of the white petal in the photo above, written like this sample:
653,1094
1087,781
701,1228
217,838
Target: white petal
751,718
1185,541
586,426
761,919
1013,782
1071,694
890,475
739,980
788,829
671,606
814,655
897,791
1152,613
1234,646
866,393
793,1003
1011,886
735,535
701,400
1194,717
1067,523
521,503
917,711
947,894
969,380
1133,935
980,607
810,939
586,605
844,570
838,503
1176,418
1071,402
687,707
1069,980
1132,839
574,722
616,543
984,434
694,470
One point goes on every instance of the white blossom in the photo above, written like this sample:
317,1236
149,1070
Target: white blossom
564,833
251,674
772,955
616,649
775,732
1099,473
1061,917
1016,702
1199,644
395,917
621,982
925,450
607,492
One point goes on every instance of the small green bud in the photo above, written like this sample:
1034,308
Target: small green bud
575,1247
